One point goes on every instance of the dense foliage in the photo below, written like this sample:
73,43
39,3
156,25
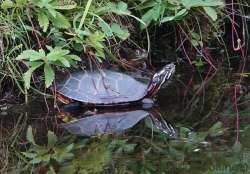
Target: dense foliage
41,37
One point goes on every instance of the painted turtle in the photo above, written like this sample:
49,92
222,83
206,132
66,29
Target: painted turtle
109,88
116,121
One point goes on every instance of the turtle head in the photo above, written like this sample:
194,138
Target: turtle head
160,78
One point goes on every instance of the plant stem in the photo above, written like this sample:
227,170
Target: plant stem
84,14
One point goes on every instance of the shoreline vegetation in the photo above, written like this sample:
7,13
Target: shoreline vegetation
41,39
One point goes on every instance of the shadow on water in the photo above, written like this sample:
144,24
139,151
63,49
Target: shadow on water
197,107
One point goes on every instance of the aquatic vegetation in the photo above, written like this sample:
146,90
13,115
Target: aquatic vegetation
45,155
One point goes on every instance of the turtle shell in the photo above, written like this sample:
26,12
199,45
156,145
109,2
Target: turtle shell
108,122
102,88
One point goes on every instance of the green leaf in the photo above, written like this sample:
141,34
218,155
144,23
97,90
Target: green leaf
7,4
179,16
56,54
27,74
65,7
43,21
64,61
49,75
70,147
35,160
121,8
30,136
105,28
216,130
122,33
44,3
29,155
60,21
61,154
21,3
73,57
147,18
31,55
52,139
211,13
96,39
157,11
27,77
35,2
52,11
188,4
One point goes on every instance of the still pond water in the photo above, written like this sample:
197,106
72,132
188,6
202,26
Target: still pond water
196,130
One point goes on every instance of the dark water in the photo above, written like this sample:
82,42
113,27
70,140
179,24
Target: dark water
200,106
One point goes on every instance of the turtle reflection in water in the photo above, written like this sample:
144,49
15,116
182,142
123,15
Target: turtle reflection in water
109,121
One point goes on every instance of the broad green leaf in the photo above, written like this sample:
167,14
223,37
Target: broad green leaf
105,28
37,55
100,54
30,136
96,40
122,33
188,4
52,11
56,53
49,75
21,3
35,2
60,21
49,48
122,6
62,154
157,11
52,139
194,42
64,61
69,147
216,130
7,4
106,8
46,157
29,155
27,75
44,3
211,13
73,57
31,55
43,21
179,16
198,63
121,9
195,36
147,18
35,160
